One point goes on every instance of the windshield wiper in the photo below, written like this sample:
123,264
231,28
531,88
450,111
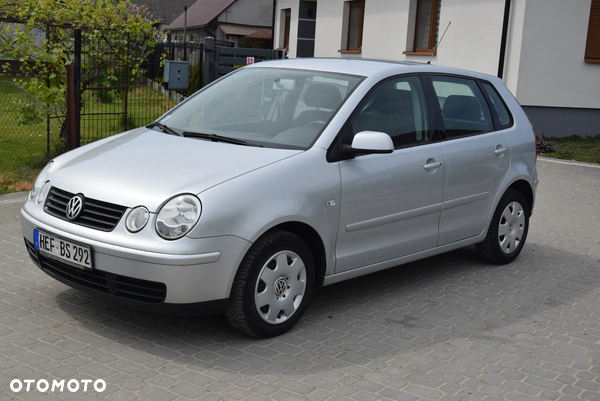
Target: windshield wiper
214,138
164,128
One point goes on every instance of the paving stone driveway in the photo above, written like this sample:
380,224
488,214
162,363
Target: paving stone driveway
447,328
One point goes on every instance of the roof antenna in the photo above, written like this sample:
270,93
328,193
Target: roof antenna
440,42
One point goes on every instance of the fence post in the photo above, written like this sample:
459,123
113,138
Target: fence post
126,90
200,67
209,60
77,86
71,107
170,47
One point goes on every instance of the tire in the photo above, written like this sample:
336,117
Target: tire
273,285
508,229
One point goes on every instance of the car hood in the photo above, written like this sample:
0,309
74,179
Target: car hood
147,167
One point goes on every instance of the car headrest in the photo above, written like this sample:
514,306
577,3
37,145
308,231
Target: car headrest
461,107
322,96
394,102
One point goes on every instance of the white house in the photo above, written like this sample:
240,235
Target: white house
550,59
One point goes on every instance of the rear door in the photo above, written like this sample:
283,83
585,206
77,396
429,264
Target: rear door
477,157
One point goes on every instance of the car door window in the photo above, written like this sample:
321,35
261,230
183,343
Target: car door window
464,109
396,107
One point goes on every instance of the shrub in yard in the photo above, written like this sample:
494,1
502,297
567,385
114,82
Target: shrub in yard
543,146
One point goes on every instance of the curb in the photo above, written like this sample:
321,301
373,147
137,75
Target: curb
567,162
13,197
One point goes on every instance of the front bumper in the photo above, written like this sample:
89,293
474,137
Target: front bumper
183,284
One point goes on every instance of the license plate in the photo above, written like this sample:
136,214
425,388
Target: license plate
76,255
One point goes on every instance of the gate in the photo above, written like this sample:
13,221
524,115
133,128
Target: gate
221,60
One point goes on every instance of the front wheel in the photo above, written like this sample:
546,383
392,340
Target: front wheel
508,229
273,285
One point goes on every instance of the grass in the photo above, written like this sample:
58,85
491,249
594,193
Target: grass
575,148
144,105
23,148
26,148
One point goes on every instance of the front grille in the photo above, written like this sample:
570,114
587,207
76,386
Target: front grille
96,214
107,283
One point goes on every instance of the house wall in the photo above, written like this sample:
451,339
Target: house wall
544,61
512,61
552,70
557,88
193,35
472,40
294,6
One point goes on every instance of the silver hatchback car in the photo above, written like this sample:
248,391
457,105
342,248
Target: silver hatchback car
283,177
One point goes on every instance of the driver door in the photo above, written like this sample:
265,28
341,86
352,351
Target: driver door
390,203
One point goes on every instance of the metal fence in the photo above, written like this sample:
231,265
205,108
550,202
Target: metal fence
111,99
27,141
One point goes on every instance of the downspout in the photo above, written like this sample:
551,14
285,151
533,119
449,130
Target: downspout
504,39
273,25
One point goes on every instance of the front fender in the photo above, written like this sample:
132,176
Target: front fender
304,188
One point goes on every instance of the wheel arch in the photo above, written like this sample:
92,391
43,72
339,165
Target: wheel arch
314,242
525,188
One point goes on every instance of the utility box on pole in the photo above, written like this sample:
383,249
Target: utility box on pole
176,75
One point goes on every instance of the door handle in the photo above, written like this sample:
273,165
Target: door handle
500,150
431,165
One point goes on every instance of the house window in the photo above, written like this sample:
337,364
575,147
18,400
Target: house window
287,17
356,14
592,47
427,25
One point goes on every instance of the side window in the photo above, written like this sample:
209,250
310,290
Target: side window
498,105
396,107
464,108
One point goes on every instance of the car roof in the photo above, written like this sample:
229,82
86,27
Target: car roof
365,67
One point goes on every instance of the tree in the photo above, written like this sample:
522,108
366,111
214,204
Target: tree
39,34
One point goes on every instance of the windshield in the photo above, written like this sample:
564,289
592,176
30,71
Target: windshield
271,107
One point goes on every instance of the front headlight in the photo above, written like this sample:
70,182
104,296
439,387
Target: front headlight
40,181
178,216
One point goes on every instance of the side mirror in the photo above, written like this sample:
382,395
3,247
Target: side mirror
369,142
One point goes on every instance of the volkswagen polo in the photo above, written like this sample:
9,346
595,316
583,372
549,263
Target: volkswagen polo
283,177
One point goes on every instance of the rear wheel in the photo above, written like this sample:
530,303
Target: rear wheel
508,229
273,285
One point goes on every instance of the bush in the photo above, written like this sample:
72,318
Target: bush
544,146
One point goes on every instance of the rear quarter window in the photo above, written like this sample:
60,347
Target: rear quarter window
499,105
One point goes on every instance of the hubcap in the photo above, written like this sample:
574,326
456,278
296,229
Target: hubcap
511,227
280,287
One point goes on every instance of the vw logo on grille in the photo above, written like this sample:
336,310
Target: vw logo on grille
74,207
